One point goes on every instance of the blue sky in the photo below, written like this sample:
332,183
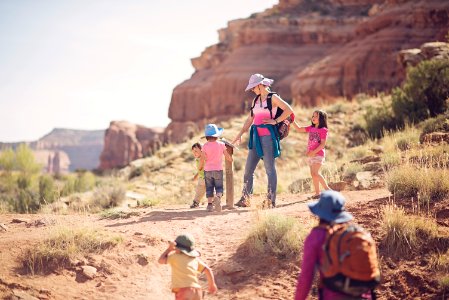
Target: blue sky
82,63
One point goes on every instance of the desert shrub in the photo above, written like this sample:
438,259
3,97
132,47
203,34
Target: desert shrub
24,181
24,160
380,119
404,234
85,181
47,189
427,184
64,245
424,91
7,160
109,195
69,186
148,202
26,201
439,123
278,235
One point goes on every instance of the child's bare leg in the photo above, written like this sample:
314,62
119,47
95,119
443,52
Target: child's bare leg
314,169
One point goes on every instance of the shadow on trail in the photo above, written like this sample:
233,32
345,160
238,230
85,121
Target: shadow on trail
173,214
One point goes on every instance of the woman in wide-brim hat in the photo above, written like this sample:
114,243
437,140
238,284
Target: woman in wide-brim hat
263,141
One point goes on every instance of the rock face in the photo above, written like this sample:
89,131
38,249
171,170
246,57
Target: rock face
125,142
315,50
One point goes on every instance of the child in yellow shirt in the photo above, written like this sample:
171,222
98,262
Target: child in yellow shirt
186,266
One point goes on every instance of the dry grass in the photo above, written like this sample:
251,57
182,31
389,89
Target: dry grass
278,235
64,245
440,262
405,234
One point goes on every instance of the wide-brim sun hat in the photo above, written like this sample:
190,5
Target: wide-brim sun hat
185,243
330,207
257,79
213,130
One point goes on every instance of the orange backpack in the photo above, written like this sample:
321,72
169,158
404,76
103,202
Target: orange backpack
349,263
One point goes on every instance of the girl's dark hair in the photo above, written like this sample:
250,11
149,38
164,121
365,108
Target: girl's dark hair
196,145
211,138
322,119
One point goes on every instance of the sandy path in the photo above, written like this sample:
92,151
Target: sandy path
121,276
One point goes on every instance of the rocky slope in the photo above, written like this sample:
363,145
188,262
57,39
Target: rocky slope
316,51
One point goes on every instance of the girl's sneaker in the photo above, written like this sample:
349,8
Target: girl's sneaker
195,204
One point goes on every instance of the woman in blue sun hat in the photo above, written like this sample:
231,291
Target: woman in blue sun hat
263,140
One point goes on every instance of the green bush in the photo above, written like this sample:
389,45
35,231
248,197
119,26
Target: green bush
47,190
26,202
424,92
85,182
380,119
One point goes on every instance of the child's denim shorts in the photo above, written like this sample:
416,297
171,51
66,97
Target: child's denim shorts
214,181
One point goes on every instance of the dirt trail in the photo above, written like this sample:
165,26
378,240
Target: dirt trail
123,274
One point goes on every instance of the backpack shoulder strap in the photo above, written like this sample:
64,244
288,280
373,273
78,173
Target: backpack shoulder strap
253,104
270,103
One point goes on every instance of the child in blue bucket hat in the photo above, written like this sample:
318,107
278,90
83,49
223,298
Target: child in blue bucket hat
212,162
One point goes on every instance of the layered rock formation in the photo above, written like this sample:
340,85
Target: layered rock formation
315,50
125,142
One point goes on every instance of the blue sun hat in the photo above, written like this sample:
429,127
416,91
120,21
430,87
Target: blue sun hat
330,207
213,130
185,243
257,79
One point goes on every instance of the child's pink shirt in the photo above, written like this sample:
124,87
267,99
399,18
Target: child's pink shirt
316,135
214,155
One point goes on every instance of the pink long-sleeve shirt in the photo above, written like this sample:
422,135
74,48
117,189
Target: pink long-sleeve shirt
311,256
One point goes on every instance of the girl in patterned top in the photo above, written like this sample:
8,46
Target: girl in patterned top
315,148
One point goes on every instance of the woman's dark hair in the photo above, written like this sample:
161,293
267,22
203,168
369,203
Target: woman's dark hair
196,145
322,119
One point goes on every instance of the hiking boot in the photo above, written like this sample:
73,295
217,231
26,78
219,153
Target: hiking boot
195,204
210,207
243,202
217,204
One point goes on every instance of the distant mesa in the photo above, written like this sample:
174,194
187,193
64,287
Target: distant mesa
63,150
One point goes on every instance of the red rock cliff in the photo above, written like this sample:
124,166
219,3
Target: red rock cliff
315,50
125,142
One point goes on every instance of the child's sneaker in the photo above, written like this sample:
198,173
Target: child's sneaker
217,204
210,207
195,204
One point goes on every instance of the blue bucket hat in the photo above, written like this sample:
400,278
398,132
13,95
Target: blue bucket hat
213,130
330,207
